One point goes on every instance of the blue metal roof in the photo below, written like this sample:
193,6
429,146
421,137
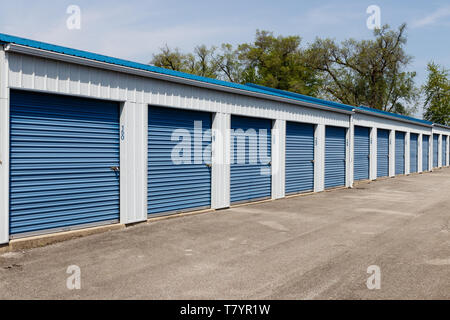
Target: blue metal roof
302,97
395,115
4,38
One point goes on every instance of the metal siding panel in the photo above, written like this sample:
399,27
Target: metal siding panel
62,150
250,181
366,120
361,153
335,156
399,153
299,157
94,82
173,186
382,153
444,151
425,153
413,152
435,150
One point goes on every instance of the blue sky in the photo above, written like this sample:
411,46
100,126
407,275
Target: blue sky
136,29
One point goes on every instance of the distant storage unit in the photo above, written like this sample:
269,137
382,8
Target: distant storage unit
299,157
361,153
425,153
88,140
414,153
335,157
444,151
383,153
435,150
399,153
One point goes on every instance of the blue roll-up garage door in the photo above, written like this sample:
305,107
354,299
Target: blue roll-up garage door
382,153
413,152
444,151
251,177
435,150
425,153
179,158
299,157
361,153
399,153
335,156
63,152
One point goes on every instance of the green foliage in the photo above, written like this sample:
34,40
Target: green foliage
278,62
437,95
269,61
366,72
201,62
355,72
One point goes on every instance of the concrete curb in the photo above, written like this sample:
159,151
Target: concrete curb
47,239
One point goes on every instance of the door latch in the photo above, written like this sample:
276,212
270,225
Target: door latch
115,169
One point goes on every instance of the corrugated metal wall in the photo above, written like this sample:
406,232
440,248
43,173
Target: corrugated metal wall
62,151
36,73
299,157
366,120
136,93
361,153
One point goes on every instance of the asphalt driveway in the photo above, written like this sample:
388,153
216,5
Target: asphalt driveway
316,246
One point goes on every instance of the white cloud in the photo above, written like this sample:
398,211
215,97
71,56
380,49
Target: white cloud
122,31
433,18
332,20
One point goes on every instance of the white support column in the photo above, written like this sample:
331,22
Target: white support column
447,152
278,158
373,154
419,153
392,153
4,149
430,152
440,151
220,174
133,162
407,153
319,158
350,154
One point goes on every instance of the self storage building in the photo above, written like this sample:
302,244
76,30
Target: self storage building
87,139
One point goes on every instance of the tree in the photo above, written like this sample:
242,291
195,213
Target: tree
229,64
437,94
169,59
277,62
202,62
366,72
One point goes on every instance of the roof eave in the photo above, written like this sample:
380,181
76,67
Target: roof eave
11,47
392,118
441,126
